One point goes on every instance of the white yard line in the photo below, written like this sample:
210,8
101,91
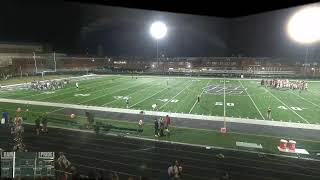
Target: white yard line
62,89
200,96
288,107
305,99
173,115
135,85
177,94
252,100
142,89
219,90
80,90
148,97
98,96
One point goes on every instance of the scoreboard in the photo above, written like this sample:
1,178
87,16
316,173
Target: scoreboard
27,164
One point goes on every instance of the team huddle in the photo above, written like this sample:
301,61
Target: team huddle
48,85
285,84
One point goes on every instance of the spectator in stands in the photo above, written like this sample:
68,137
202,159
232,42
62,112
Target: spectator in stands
101,175
114,176
171,172
177,170
63,164
74,173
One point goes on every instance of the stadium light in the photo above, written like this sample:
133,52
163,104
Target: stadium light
158,30
304,26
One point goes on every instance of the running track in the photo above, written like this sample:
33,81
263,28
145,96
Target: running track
88,151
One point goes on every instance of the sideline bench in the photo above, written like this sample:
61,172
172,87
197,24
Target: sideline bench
248,145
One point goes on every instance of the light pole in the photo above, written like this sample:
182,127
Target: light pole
35,62
158,30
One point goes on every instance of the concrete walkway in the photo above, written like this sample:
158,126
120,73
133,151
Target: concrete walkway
173,115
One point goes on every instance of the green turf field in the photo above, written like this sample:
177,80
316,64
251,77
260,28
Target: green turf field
244,98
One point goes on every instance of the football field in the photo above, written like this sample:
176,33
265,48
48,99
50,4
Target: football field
240,98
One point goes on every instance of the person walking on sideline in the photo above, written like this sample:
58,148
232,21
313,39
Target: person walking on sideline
156,127
269,113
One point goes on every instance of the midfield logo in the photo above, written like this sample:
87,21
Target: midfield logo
219,89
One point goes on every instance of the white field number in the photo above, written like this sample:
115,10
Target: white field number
293,108
221,104
166,100
122,97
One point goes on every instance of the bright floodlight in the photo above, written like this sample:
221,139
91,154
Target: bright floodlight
304,26
158,30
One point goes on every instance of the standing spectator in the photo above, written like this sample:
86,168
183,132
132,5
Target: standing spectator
269,112
127,102
170,172
5,116
161,125
156,127
90,119
37,128
45,123
140,126
167,122
177,170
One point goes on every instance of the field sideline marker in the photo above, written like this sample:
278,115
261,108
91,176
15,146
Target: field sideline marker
288,107
252,100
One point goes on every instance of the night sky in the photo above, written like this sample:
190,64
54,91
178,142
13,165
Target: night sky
73,27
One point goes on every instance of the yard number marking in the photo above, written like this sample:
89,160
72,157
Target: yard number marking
293,108
166,100
221,104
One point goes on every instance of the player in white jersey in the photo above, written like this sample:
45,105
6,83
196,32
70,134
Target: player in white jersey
77,85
